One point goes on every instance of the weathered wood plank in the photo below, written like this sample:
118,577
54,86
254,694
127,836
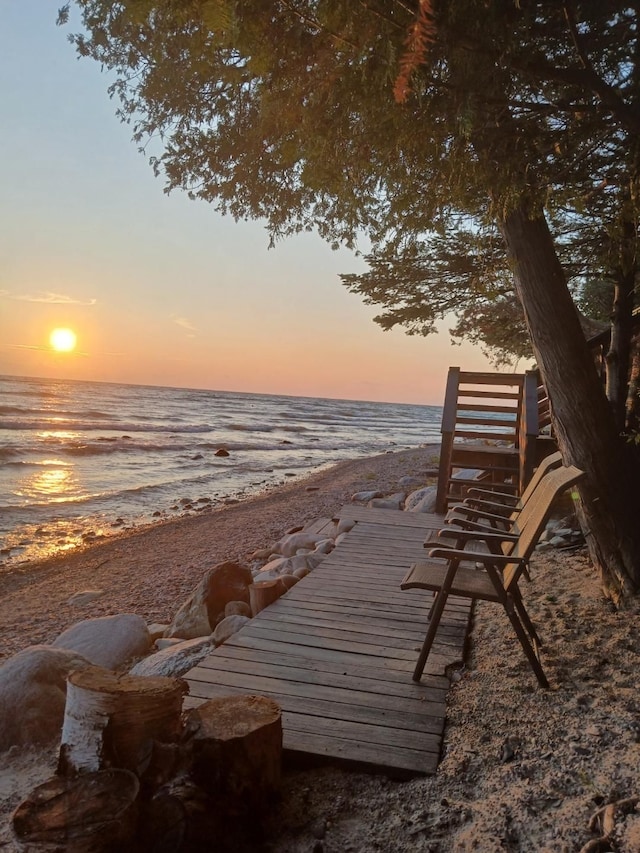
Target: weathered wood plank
337,652
392,683
314,701
388,694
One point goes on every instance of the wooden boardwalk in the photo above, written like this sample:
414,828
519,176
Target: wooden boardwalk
338,650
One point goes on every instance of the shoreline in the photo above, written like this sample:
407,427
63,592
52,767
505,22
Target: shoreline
523,768
151,569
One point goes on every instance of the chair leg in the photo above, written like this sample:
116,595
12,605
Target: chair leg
529,651
525,618
434,620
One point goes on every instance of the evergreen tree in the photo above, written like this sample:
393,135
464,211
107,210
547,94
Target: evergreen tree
511,111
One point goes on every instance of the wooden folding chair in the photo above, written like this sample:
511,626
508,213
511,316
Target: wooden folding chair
454,571
500,509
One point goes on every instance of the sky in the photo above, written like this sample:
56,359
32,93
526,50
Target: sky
158,289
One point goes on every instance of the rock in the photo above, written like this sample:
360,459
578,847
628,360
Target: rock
364,497
107,641
228,627
33,690
175,660
422,500
84,597
339,539
237,608
167,642
156,630
277,566
391,502
410,482
223,583
289,545
301,573
345,525
325,546
221,452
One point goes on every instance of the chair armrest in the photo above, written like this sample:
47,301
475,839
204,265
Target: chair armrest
487,494
475,556
482,534
491,506
479,513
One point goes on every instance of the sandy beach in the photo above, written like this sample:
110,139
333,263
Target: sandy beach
523,769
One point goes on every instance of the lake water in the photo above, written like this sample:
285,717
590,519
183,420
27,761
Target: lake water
80,460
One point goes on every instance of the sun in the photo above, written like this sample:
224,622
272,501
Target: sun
63,340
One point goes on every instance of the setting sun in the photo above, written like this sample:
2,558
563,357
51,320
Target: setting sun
63,340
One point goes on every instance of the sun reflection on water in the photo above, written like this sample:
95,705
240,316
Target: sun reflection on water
55,482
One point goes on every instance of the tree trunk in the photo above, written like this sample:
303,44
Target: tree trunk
237,750
617,358
91,813
582,418
632,417
114,721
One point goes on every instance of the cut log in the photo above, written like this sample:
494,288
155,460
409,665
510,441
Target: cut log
114,720
264,593
237,750
95,812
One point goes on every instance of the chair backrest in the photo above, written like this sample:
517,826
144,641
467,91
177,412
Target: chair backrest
538,508
549,463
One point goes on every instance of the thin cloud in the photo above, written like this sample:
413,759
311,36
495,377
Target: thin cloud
187,325
41,348
47,297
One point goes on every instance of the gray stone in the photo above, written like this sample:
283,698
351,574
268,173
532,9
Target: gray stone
223,583
228,627
301,573
175,660
84,597
410,482
237,608
364,497
277,566
33,691
167,642
390,502
156,630
290,545
423,500
108,641
325,546
345,525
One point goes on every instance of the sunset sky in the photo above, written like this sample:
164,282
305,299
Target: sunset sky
162,290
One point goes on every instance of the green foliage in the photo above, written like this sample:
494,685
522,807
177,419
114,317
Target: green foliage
285,111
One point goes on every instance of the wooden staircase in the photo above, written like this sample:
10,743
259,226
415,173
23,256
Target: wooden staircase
489,428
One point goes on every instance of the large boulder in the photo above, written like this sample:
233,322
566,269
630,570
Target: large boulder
176,659
201,612
33,691
107,641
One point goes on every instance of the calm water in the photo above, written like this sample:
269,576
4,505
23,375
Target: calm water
80,460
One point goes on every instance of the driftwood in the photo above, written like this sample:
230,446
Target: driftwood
114,721
94,812
237,750
604,821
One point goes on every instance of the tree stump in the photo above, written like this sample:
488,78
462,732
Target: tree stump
94,812
114,720
264,593
237,750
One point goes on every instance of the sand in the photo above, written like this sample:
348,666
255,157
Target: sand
523,769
